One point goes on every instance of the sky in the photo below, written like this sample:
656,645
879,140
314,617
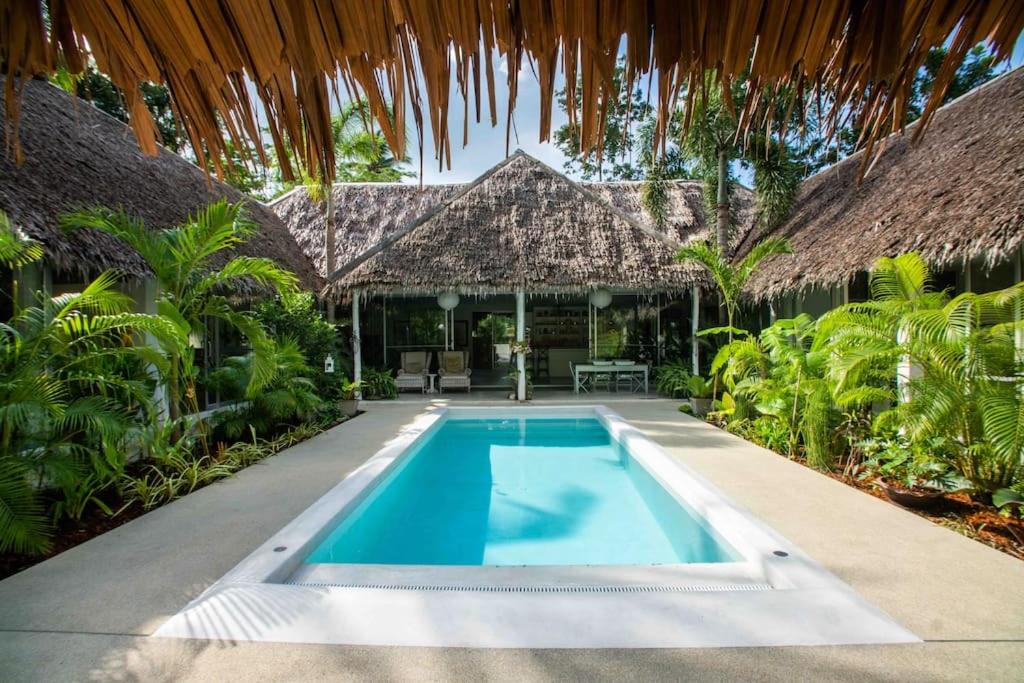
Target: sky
487,144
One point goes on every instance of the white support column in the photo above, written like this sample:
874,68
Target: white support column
520,338
384,330
657,332
694,328
357,352
150,291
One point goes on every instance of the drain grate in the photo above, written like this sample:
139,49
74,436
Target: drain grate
710,588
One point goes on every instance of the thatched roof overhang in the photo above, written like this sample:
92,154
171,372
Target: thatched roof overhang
298,54
958,194
79,157
523,225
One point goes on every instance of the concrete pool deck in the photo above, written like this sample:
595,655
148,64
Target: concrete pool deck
86,613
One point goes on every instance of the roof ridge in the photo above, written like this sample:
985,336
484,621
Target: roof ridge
433,211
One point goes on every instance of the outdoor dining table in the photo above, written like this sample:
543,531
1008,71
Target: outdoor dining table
582,369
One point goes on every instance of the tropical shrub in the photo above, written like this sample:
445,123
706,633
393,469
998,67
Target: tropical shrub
783,374
188,263
378,384
63,412
294,315
895,459
287,397
671,379
698,387
958,364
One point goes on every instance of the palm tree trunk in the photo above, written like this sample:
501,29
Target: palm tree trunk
723,200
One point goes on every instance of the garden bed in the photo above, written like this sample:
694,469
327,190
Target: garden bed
95,522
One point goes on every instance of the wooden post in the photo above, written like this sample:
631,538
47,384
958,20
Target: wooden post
520,338
329,249
357,353
694,328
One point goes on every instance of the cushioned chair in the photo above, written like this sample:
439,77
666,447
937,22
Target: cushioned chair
453,370
414,371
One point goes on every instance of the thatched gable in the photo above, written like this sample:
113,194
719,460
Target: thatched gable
365,214
79,157
957,194
521,224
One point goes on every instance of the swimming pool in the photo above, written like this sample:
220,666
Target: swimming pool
561,526
521,491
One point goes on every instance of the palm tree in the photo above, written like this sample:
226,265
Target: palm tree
61,398
730,278
712,141
186,262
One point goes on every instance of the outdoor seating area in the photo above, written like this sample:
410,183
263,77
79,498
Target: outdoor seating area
688,345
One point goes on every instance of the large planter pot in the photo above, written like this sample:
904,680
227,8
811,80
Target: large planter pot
348,406
918,499
701,406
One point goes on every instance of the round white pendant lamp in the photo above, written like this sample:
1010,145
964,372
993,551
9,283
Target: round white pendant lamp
448,300
600,298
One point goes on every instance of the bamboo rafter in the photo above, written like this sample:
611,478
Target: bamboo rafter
300,55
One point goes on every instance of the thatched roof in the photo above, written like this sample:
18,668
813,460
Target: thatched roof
298,53
367,214
957,194
79,157
524,224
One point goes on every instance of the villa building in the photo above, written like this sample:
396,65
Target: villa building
580,265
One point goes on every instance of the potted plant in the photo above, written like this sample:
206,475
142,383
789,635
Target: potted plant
906,476
348,400
701,392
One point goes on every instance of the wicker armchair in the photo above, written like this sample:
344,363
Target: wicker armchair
413,373
453,371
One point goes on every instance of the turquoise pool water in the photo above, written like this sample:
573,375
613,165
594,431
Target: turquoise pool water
520,491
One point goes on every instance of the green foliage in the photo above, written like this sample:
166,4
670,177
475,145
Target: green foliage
378,384
698,387
960,404
672,379
294,315
287,397
70,387
765,430
193,280
349,390
731,278
911,465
